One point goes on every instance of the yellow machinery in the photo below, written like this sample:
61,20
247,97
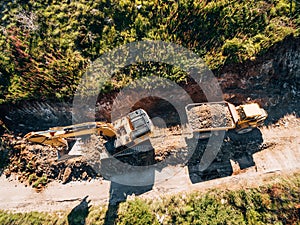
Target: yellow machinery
57,136
250,116
128,131
242,118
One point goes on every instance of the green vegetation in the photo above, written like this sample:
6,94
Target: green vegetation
5,149
45,46
40,182
277,203
32,218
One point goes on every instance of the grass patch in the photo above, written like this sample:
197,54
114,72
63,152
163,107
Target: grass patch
32,218
40,182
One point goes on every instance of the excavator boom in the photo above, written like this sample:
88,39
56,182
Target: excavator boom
127,131
57,136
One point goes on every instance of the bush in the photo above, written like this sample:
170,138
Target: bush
136,212
45,48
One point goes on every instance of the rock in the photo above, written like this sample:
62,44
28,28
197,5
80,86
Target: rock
84,175
67,175
7,173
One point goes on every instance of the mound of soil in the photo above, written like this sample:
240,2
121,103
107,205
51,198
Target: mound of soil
37,165
207,116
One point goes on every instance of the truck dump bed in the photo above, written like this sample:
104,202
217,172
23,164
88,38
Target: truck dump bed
210,116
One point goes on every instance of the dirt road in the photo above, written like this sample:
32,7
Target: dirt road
280,155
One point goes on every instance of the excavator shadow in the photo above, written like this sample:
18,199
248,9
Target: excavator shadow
130,174
235,155
118,193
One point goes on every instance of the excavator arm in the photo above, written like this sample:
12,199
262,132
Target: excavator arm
58,136
46,138
127,131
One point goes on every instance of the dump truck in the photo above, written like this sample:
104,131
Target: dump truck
203,118
123,134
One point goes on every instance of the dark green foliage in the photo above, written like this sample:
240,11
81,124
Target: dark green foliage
207,209
268,205
79,214
136,212
5,149
45,46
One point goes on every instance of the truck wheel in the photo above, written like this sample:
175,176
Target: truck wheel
245,130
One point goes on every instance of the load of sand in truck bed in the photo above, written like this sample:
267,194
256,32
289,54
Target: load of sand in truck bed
202,116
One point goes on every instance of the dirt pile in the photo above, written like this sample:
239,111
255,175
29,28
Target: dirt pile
167,142
207,116
37,165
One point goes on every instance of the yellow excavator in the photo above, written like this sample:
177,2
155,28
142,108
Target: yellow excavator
125,132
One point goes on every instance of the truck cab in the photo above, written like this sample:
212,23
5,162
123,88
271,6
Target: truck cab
250,116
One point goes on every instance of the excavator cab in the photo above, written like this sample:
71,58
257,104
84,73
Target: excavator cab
132,129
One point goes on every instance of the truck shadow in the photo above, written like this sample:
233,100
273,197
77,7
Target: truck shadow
235,155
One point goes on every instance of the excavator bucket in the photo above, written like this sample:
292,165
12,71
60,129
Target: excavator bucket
64,148
72,151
